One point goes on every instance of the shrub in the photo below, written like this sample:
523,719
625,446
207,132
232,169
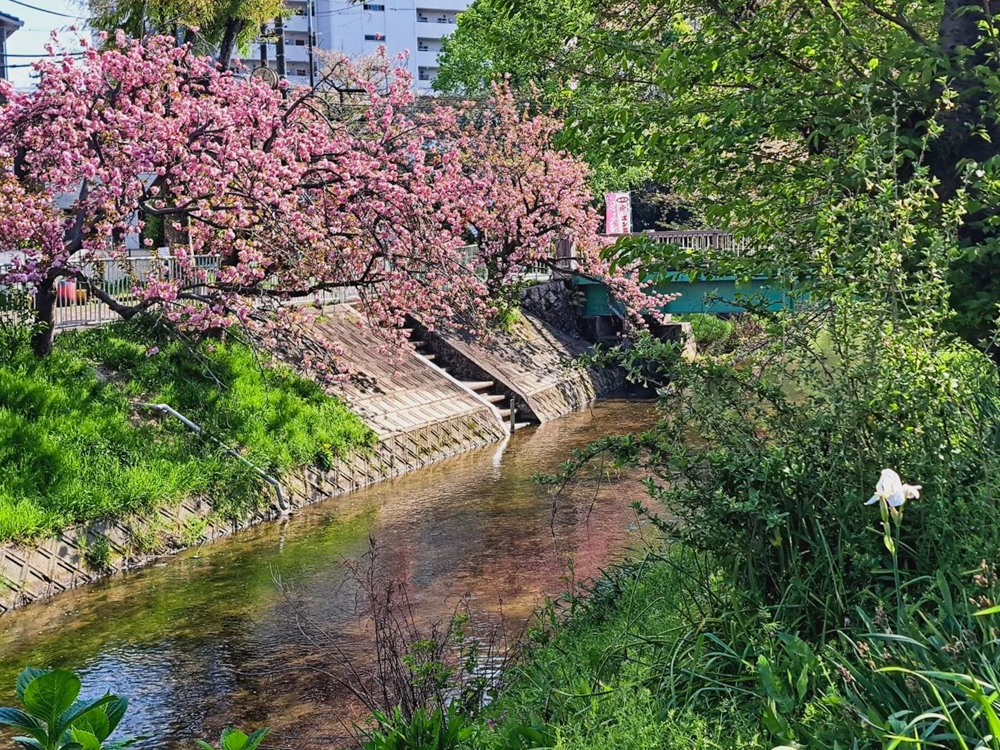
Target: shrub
710,332
766,464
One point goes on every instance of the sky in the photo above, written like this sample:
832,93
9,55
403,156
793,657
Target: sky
28,44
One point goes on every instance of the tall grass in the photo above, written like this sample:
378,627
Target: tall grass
74,446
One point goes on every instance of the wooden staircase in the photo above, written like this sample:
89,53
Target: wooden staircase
487,389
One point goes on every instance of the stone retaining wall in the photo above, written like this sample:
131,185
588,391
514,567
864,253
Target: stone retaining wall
28,574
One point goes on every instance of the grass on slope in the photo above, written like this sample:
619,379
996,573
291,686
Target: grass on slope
73,446
601,680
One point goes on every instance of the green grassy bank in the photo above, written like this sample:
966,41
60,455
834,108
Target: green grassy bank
75,447
605,678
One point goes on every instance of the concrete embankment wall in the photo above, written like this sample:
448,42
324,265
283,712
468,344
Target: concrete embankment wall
419,413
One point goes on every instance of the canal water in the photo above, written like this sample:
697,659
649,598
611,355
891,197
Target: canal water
206,639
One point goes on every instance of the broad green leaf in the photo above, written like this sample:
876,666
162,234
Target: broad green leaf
115,711
80,709
25,678
15,717
253,742
233,739
93,720
50,694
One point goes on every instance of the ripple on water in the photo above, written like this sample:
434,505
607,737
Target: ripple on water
207,641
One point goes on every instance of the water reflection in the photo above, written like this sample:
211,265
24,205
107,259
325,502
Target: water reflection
205,639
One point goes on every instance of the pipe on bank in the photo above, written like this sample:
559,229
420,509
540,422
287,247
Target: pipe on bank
196,428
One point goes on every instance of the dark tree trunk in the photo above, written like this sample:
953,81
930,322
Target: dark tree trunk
228,45
45,308
969,131
966,49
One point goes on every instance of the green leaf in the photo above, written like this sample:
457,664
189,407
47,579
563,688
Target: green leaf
233,739
115,711
25,678
51,694
80,709
253,742
15,717
85,739
93,721
29,742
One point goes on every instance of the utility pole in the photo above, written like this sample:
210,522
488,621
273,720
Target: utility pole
279,48
263,45
312,64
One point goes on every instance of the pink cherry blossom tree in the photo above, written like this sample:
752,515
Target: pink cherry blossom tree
292,197
290,191
531,198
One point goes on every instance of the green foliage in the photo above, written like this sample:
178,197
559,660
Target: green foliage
74,448
925,676
234,739
54,719
425,730
710,331
601,679
767,464
97,555
140,18
763,116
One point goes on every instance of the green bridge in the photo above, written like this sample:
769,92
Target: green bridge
717,295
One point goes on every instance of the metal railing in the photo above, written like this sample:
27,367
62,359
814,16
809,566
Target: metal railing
698,239
124,279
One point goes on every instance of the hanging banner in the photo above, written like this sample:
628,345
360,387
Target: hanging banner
617,213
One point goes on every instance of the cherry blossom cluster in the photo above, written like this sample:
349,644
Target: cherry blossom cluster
292,191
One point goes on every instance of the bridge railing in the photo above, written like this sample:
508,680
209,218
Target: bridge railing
698,239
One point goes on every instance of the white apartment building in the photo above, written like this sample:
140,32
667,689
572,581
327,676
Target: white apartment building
358,28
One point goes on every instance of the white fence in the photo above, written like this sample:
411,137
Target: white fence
121,278
698,239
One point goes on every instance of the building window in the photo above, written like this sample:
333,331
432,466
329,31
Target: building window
421,17
374,37
301,72
422,47
373,6
300,42
427,74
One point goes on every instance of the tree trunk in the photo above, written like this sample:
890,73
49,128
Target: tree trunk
965,47
969,132
228,45
45,308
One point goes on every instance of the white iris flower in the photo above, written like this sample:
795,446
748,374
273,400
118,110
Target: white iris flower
891,489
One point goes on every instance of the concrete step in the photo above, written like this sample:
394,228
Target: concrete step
478,385
519,425
495,398
430,356
504,413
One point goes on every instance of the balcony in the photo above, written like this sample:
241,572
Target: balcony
426,59
296,54
434,30
297,23
434,7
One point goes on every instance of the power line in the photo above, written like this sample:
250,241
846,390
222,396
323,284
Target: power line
48,56
46,10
